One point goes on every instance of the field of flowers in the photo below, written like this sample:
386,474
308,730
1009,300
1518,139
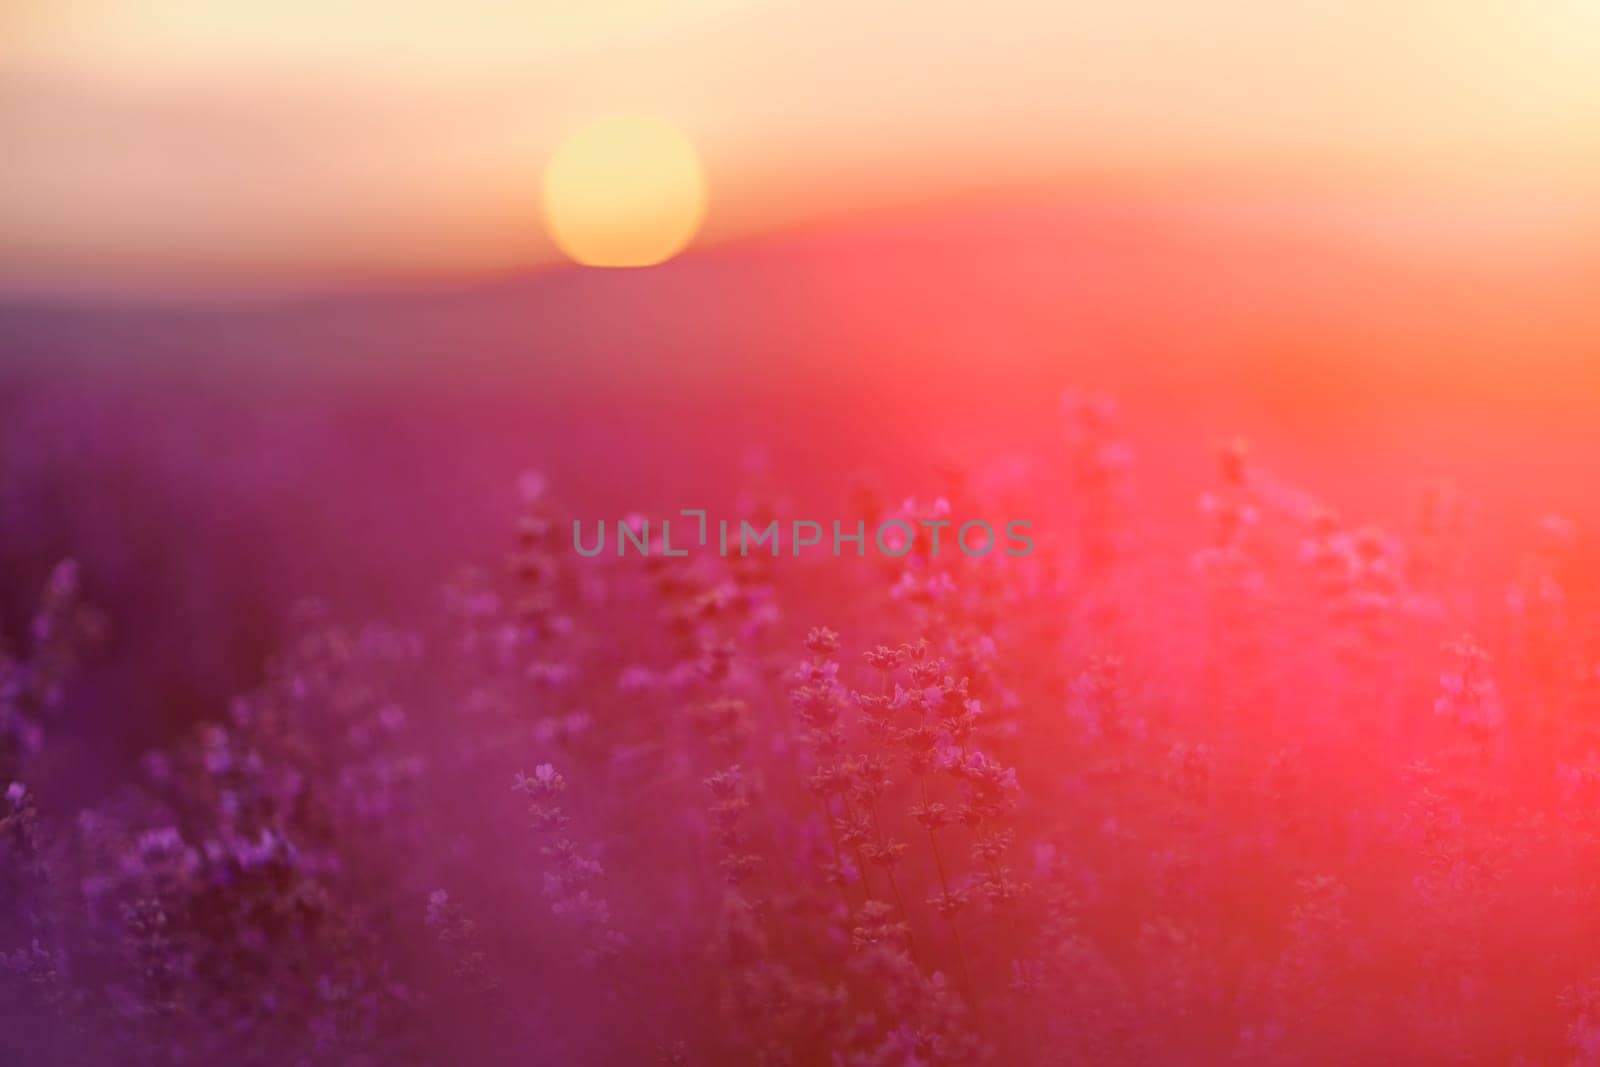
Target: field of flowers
1293,789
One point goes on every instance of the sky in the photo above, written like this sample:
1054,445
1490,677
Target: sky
193,143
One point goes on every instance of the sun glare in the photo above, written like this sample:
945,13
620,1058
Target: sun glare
624,192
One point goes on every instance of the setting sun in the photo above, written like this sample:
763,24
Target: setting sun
624,192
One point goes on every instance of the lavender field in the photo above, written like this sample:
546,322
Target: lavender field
1214,774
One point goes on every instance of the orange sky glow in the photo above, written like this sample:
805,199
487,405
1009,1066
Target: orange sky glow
187,142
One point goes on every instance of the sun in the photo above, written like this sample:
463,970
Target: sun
624,192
